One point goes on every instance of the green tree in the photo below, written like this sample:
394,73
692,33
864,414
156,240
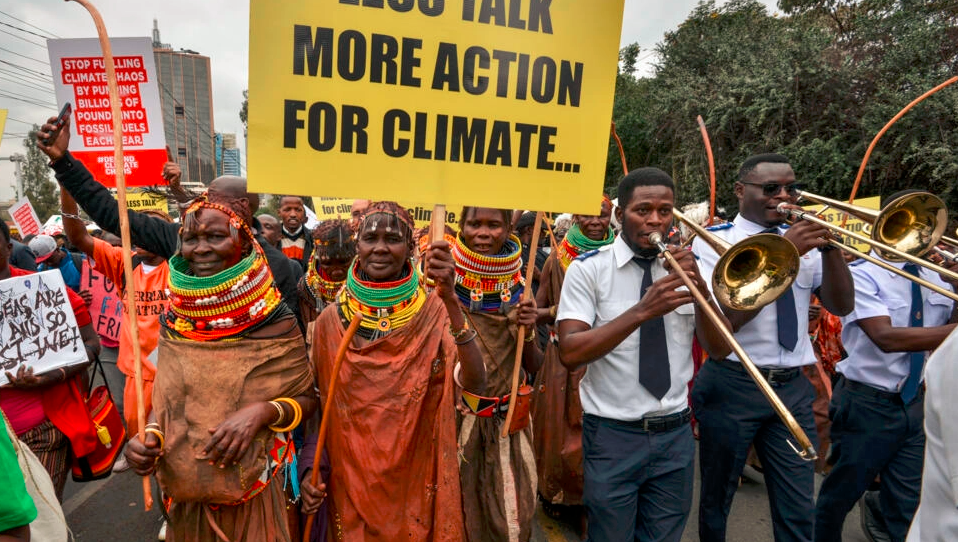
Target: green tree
37,185
244,112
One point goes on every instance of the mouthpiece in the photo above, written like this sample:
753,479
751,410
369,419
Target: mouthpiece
655,238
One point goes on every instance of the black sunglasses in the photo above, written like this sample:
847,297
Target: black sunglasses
771,189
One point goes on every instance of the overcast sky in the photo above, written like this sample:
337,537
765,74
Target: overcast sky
216,28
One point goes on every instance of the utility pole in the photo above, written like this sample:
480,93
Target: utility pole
18,161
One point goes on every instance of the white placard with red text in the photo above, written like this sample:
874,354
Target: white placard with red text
79,77
25,217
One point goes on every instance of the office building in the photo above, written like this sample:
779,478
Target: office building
186,95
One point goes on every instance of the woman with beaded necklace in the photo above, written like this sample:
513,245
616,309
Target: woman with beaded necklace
333,250
556,410
392,434
498,475
234,381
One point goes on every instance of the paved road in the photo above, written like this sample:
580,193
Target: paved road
111,510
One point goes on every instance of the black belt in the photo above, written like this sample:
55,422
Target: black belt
772,376
890,396
654,424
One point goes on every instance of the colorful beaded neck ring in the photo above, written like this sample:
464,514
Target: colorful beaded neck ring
319,286
385,306
489,283
224,304
576,243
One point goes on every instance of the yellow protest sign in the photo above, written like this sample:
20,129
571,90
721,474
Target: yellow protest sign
497,103
332,208
3,122
834,216
145,201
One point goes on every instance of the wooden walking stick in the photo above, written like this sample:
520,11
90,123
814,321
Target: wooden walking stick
328,408
124,226
526,294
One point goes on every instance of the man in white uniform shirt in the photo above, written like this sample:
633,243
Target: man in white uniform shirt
625,316
877,404
937,516
731,411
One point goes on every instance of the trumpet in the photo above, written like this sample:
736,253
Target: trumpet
762,255
905,229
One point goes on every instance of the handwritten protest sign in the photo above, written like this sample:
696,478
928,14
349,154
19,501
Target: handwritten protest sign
106,307
79,77
37,326
834,216
497,103
25,217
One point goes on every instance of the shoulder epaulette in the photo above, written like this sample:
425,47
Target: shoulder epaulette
719,227
587,255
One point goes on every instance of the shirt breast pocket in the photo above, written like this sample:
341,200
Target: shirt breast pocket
806,277
610,310
939,309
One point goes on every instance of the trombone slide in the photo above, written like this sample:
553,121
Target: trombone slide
811,217
805,449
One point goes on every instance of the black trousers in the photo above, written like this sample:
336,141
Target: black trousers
733,414
873,433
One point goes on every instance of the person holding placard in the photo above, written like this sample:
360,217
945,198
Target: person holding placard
498,474
46,409
556,407
150,278
149,232
392,434
234,382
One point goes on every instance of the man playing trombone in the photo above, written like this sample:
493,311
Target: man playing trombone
877,404
629,318
731,411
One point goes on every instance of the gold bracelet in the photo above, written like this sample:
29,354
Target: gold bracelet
297,415
279,409
159,434
530,336
553,311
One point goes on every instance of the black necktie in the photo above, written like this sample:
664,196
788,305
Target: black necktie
654,366
916,359
787,317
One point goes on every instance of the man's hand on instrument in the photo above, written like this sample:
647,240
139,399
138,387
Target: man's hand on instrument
313,497
663,297
807,235
686,261
57,148
142,455
951,266
528,313
230,439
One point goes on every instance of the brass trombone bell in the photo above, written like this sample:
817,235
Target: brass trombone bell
751,273
911,224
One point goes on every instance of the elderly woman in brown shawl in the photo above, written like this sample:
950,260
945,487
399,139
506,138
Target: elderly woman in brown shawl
392,430
233,381
498,475
556,409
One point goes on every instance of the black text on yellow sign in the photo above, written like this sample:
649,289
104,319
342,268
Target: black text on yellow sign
501,103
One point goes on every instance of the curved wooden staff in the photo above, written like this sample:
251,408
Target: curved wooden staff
124,225
526,294
327,409
708,152
868,153
625,167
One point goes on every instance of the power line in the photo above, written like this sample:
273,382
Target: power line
27,101
29,85
29,70
45,63
21,121
28,77
21,29
19,37
28,24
